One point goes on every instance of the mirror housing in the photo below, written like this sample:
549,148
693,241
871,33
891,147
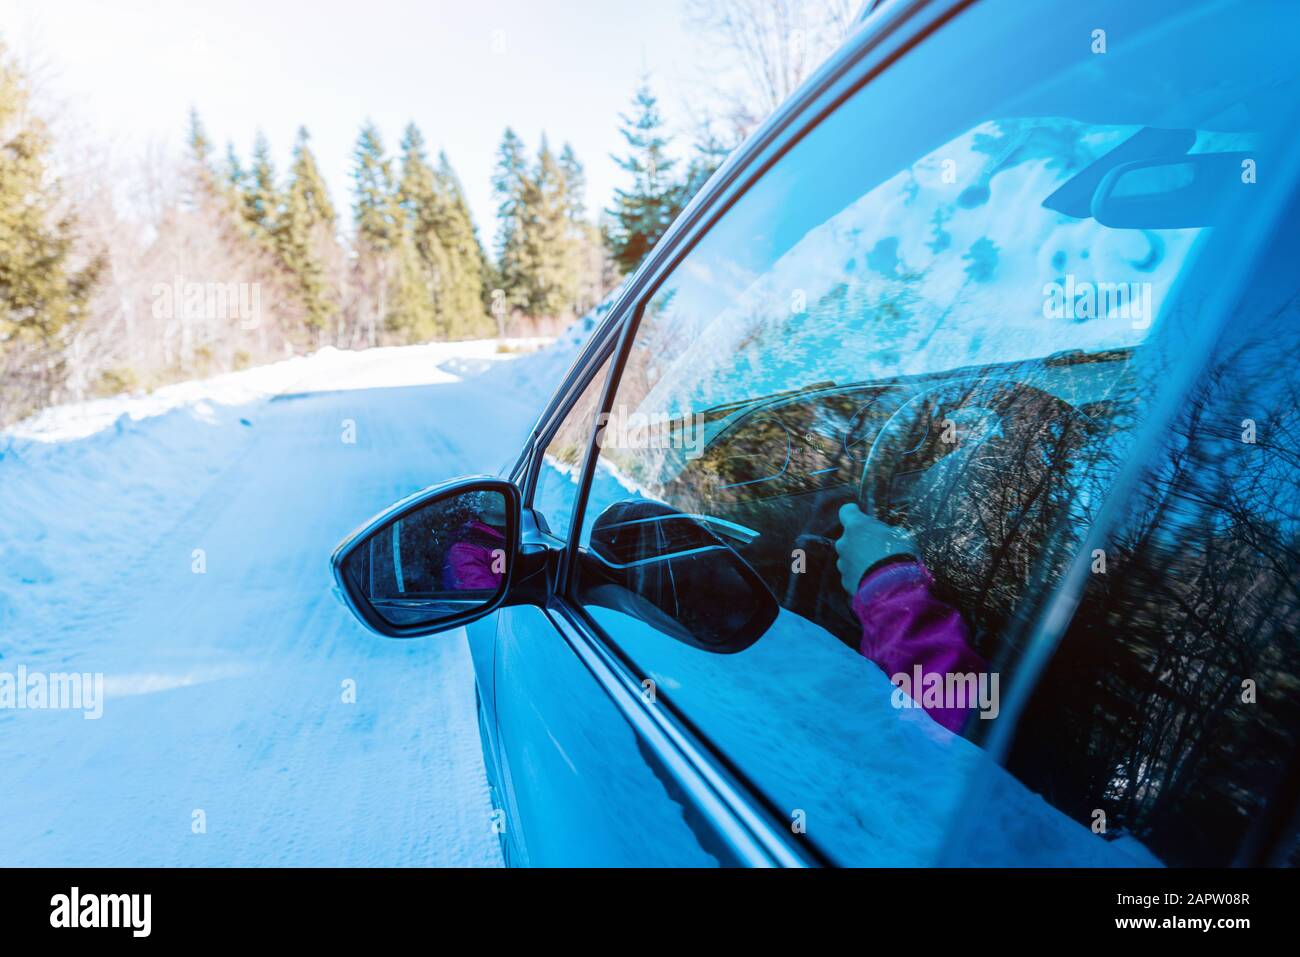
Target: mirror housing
438,559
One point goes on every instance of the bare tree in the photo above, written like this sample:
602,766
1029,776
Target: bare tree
762,50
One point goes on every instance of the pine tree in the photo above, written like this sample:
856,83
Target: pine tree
202,183
590,261
306,181
378,224
374,207
411,316
643,213
42,297
233,174
575,184
549,239
708,153
261,197
468,290
199,144
426,266
541,232
305,236
230,182
510,183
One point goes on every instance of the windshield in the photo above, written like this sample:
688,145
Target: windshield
966,242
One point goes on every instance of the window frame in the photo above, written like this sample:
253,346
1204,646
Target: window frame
581,374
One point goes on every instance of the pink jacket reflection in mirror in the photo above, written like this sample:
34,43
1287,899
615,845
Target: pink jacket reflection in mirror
906,625
468,565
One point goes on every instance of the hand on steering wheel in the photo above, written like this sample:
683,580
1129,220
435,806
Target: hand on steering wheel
865,541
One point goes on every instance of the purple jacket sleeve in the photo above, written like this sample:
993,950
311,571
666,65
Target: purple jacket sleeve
905,625
470,567
468,564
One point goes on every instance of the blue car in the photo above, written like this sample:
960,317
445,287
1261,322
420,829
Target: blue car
930,495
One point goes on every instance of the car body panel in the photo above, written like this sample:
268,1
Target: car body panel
582,789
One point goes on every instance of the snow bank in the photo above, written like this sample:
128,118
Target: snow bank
535,377
330,368
69,504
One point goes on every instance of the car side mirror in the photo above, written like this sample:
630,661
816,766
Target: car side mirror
437,559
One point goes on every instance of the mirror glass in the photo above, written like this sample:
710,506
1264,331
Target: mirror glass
443,559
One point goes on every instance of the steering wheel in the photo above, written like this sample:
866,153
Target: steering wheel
1025,417
914,423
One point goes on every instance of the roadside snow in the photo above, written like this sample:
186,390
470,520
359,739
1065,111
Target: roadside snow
329,368
177,543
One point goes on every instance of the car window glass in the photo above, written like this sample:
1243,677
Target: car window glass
559,471
1168,718
942,307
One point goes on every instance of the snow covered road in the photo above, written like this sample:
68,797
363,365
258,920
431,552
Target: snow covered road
184,556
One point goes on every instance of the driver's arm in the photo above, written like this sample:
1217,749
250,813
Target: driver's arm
904,623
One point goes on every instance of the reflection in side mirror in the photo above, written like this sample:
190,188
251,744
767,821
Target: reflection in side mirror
1184,192
433,561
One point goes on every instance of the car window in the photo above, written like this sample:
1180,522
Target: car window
1169,715
941,309
558,473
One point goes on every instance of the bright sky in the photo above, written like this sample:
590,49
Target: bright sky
462,70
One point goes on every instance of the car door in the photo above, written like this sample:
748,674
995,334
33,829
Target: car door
901,314
581,786
890,299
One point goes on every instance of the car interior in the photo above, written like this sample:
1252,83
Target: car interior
983,504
